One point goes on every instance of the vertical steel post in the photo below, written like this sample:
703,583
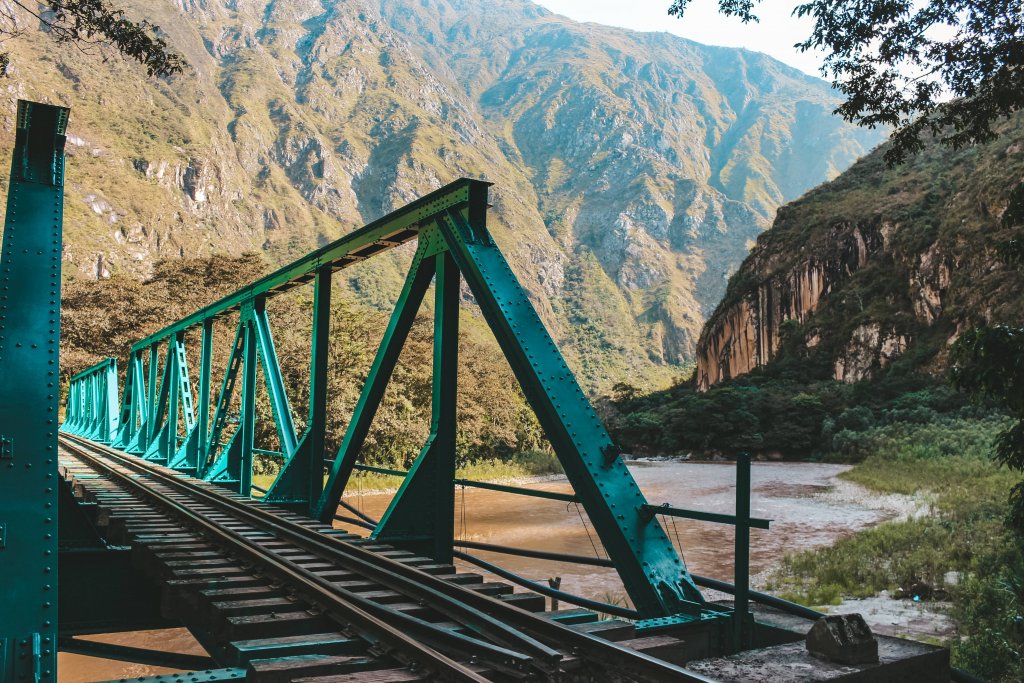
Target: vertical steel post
138,409
111,402
421,516
247,412
29,395
126,414
173,396
741,562
301,479
90,407
203,402
149,427
317,431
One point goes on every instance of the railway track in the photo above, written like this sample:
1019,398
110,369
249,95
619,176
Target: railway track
288,598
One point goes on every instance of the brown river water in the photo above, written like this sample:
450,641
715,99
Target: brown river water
798,497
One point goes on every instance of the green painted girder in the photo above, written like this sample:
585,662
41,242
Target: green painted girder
29,391
421,272
420,516
453,245
280,408
92,407
653,573
382,235
240,459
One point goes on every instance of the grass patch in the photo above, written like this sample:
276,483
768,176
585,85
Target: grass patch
965,534
936,456
887,557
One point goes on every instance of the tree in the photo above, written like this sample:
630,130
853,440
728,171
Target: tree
989,360
898,62
89,24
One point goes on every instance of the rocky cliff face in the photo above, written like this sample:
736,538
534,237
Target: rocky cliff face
876,264
632,170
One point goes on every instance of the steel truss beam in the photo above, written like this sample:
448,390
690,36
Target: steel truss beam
454,246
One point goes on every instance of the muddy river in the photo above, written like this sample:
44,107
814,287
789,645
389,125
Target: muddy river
808,507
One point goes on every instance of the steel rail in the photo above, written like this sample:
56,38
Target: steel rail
588,646
377,632
614,610
541,656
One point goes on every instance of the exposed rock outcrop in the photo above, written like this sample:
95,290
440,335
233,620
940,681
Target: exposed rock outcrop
747,334
874,265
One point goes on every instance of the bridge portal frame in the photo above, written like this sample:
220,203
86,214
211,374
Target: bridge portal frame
159,419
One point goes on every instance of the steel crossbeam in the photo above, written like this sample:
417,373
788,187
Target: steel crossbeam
164,419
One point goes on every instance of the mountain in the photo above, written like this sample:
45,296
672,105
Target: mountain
632,170
882,267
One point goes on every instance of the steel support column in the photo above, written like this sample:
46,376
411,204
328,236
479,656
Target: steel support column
29,395
416,284
421,516
301,480
242,457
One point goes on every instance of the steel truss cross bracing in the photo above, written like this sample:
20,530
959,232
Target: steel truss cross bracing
167,418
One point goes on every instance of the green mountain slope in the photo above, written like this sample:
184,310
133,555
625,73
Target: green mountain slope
631,170
879,267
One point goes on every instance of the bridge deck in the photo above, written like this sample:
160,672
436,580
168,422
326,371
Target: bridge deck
282,597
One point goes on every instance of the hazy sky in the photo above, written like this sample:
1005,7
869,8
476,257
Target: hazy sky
776,33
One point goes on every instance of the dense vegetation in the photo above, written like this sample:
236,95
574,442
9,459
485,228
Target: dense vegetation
88,25
495,423
776,410
958,549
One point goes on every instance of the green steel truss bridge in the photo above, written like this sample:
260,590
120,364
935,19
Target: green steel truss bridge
139,511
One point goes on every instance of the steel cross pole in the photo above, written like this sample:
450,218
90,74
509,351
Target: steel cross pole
316,433
651,570
301,480
416,284
29,391
280,407
247,410
421,516
169,445
203,403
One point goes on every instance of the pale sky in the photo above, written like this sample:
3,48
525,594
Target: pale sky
775,35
